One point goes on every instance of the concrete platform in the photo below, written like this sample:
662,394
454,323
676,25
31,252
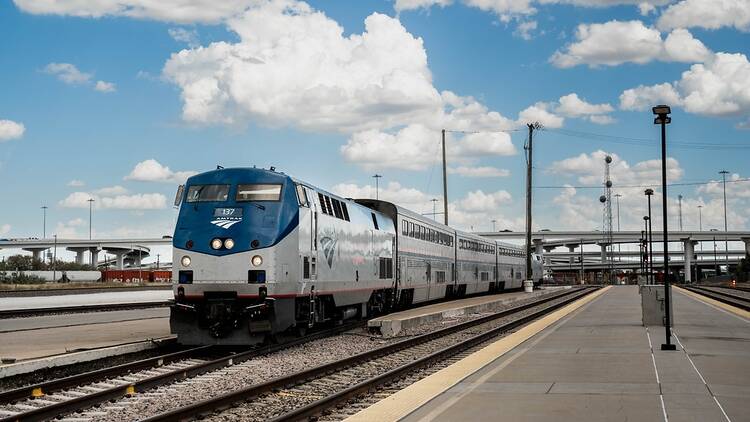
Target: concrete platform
595,363
20,303
59,334
392,324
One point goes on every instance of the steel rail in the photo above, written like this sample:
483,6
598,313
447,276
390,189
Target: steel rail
42,388
116,392
17,313
228,399
728,298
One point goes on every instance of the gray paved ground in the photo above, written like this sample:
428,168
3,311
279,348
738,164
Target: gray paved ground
597,365
50,335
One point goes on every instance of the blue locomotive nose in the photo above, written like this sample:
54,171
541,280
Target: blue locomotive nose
235,210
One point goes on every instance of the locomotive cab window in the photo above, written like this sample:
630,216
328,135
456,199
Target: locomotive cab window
207,193
258,192
302,196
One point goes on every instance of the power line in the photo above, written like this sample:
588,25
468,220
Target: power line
647,142
643,186
482,131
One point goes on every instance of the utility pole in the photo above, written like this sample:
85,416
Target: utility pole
679,210
700,221
619,245
377,186
91,203
723,174
44,222
493,225
434,208
529,164
445,185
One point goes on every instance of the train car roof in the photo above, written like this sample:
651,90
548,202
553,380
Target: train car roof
394,210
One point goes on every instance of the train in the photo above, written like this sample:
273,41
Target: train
257,253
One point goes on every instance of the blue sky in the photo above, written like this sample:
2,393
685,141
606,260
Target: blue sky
121,101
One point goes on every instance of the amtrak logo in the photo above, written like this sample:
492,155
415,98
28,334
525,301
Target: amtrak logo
329,248
225,224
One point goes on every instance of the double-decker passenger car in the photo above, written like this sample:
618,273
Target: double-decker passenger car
257,252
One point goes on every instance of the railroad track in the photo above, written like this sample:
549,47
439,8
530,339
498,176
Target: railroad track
722,295
313,391
72,394
21,313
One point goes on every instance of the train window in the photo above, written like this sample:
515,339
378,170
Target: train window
374,221
322,203
328,205
411,229
302,196
404,227
337,208
207,193
258,192
345,211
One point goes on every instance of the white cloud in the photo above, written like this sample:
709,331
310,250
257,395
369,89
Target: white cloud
617,42
76,183
643,97
719,87
526,29
11,130
572,106
709,14
5,229
293,66
477,209
478,201
153,171
111,190
189,37
67,73
416,147
735,189
539,112
70,74
145,201
589,170
480,171
180,11
646,8
504,9
102,86
401,5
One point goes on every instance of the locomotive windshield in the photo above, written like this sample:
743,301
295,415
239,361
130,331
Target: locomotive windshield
258,192
207,193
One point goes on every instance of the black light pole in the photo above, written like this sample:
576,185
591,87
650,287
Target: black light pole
647,250
642,250
663,119
716,263
648,193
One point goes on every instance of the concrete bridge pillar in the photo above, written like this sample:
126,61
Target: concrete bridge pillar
37,253
94,256
746,241
120,259
79,254
604,251
571,249
689,247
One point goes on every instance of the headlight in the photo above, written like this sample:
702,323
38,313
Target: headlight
229,243
257,260
216,244
185,261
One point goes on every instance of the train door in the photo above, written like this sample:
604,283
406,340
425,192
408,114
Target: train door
310,260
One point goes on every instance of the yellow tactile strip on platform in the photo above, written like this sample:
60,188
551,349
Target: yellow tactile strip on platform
402,403
729,308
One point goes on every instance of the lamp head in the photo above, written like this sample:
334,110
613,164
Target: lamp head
645,218
649,192
661,110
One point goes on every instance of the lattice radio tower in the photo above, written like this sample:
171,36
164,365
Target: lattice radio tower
606,200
